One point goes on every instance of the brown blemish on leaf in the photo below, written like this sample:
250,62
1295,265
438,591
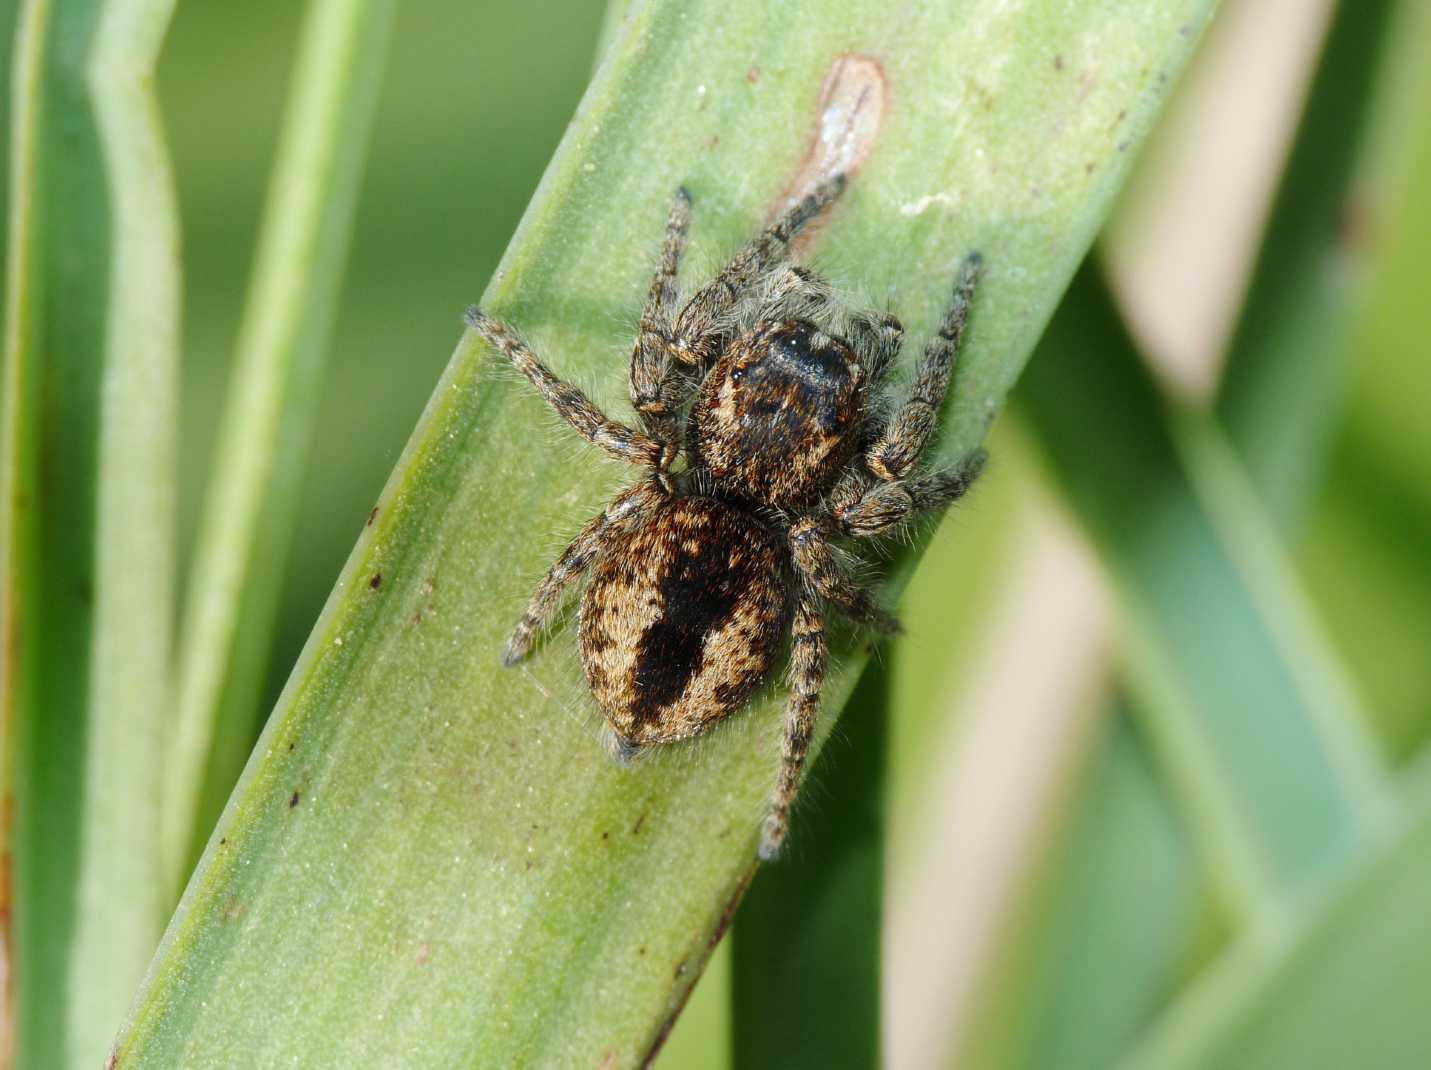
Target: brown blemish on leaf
1058,62
732,904
721,925
848,117
753,75
371,517
233,909
376,581
424,952
639,822
1357,226
293,799
608,1061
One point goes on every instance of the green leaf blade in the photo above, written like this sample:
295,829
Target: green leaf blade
254,494
92,370
1223,656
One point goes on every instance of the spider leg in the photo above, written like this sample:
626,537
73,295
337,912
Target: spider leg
885,506
571,404
653,383
574,560
807,671
795,292
704,324
816,561
876,338
907,433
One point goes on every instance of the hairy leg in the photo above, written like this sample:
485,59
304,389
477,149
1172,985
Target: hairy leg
652,381
886,506
816,561
574,560
704,325
807,671
571,404
794,292
876,337
894,453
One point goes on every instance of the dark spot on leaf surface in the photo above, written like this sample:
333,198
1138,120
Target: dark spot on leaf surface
372,516
376,581
293,799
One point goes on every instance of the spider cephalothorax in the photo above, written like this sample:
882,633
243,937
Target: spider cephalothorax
766,385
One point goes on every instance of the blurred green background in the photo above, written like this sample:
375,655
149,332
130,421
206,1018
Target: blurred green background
449,173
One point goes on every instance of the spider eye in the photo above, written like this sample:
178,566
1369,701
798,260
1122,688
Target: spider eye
737,373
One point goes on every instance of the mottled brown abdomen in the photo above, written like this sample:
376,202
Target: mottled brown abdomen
681,620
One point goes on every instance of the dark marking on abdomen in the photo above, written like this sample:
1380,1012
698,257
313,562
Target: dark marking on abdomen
698,594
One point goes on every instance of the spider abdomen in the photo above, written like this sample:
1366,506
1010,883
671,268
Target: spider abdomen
682,619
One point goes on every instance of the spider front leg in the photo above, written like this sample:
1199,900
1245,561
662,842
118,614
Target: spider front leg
653,381
885,506
705,325
622,442
807,677
877,338
574,561
904,438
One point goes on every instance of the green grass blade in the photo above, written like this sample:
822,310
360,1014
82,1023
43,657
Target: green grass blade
1113,921
1283,387
253,495
1227,661
1365,556
1085,1001
806,946
1346,987
1343,966
428,860
92,366
23,298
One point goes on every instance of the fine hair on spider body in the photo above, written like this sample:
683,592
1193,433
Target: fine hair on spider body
772,392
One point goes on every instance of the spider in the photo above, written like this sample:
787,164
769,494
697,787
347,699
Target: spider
771,393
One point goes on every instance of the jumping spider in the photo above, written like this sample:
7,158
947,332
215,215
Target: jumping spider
772,393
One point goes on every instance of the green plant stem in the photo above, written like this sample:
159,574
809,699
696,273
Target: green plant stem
253,495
